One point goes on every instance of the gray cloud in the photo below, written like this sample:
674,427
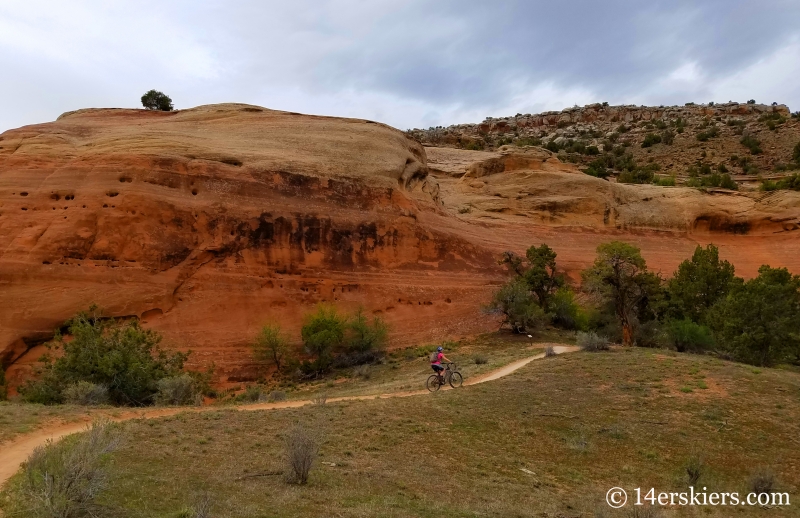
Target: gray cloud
408,63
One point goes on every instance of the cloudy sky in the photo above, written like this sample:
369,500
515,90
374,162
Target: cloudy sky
409,63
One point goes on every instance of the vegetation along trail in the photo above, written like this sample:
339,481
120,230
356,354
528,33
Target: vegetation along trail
14,452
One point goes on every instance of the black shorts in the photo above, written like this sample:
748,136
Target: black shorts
437,368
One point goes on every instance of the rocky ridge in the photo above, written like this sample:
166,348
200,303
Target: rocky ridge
688,136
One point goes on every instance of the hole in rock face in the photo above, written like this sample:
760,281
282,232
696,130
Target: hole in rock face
112,194
55,196
194,192
23,194
69,197
105,206
125,179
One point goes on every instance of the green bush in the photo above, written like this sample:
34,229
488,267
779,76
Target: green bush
651,139
699,283
566,312
86,394
664,181
668,137
123,357
516,304
751,143
711,132
639,175
592,342
598,169
271,345
363,335
178,391
155,100
686,335
323,333
758,321
796,153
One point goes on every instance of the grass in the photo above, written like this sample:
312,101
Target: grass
404,369
407,369
548,440
21,418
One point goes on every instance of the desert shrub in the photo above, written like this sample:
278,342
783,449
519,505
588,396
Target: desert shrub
762,481
639,174
517,306
686,335
251,394
758,321
320,399
480,359
155,100
123,357
751,101
668,137
591,341
722,168
664,181
709,133
86,393
790,183
649,334
65,479
549,352
178,390
528,141
751,143
271,345
651,139
597,168
694,468
322,333
566,313
363,335
363,372
276,395
301,450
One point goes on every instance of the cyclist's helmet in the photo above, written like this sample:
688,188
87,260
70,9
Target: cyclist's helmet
439,349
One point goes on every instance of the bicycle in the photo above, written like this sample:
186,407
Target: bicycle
450,376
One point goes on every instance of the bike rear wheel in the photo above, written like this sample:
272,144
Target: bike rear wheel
433,383
455,379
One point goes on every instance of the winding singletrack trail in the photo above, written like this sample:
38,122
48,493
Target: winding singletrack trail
14,452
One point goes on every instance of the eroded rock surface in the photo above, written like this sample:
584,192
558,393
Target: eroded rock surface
208,223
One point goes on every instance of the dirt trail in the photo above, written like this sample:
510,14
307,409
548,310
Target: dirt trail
14,452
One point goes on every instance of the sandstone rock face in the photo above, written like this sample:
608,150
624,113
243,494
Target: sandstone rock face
209,222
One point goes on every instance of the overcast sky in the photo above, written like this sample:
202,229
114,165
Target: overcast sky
409,63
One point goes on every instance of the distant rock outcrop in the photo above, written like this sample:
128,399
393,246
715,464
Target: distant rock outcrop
680,137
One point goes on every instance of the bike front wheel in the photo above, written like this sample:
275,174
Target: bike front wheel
433,383
456,380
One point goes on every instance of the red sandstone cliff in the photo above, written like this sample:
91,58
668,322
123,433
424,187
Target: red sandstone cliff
208,222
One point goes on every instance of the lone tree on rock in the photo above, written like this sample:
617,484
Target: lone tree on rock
155,100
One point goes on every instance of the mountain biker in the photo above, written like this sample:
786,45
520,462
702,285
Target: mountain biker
436,362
